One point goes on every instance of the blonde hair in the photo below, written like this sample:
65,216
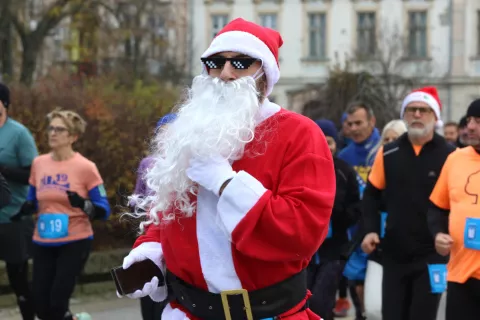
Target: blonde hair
398,126
75,124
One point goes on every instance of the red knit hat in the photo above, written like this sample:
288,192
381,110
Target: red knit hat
429,95
253,40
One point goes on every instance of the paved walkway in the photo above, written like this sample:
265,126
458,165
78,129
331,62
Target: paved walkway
109,307
106,307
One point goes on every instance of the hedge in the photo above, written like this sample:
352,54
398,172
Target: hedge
120,120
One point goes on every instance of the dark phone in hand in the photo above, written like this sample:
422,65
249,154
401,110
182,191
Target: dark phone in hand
134,278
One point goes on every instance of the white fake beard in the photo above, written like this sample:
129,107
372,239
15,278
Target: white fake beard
218,118
420,132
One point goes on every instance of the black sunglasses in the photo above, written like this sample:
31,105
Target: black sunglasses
240,63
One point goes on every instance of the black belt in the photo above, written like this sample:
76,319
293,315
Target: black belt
240,304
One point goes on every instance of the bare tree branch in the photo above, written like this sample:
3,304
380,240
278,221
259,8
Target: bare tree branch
380,80
58,11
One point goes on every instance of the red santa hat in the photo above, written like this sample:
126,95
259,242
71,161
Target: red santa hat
429,95
252,40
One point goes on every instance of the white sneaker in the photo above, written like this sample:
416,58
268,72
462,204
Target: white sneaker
82,316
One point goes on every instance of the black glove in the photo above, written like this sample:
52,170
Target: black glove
76,201
27,209
86,205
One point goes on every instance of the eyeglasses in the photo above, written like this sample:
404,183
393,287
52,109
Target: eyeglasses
421,110
239,63
56,129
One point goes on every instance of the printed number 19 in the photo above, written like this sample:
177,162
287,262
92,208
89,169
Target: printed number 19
56,225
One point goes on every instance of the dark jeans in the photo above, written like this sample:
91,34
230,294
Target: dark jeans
407,294
463,300
323,280
55,272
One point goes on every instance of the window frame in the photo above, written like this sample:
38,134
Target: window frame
213,31
321,32
266,14
362,31
415,30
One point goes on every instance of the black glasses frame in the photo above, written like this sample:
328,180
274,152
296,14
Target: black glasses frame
238,63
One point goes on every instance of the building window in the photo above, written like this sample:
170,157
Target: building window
269,20
218,22
317,35
366,33
417,34
478,33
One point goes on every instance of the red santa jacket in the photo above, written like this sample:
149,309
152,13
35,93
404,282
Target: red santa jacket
269,220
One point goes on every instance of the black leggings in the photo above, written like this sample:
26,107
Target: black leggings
463,300
55,272
18,277
407,294
351,286
342,287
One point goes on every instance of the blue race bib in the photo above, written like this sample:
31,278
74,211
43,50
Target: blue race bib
383,223
330,231
52,225
438,277
472,234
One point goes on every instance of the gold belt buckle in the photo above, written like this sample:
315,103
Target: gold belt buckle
246,302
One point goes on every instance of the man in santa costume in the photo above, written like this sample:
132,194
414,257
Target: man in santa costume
243,191
403,175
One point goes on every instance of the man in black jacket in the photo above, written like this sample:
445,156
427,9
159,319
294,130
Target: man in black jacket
326,266
407,170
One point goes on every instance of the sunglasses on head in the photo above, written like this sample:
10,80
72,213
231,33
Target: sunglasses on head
239,63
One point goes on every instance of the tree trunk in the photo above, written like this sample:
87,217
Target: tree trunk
6,48
6,39
31,49
137,70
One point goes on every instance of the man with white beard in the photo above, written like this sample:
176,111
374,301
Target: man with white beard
404,174
242,191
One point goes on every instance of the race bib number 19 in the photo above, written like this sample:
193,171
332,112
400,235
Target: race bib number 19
52,225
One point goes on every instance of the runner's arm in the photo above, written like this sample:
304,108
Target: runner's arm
98,207
372,196
26,151
5,194
353,210
437,215
19,175
437,219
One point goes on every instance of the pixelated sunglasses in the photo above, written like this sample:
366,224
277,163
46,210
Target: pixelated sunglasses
239,63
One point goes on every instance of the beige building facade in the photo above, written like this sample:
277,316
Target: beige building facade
439,41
